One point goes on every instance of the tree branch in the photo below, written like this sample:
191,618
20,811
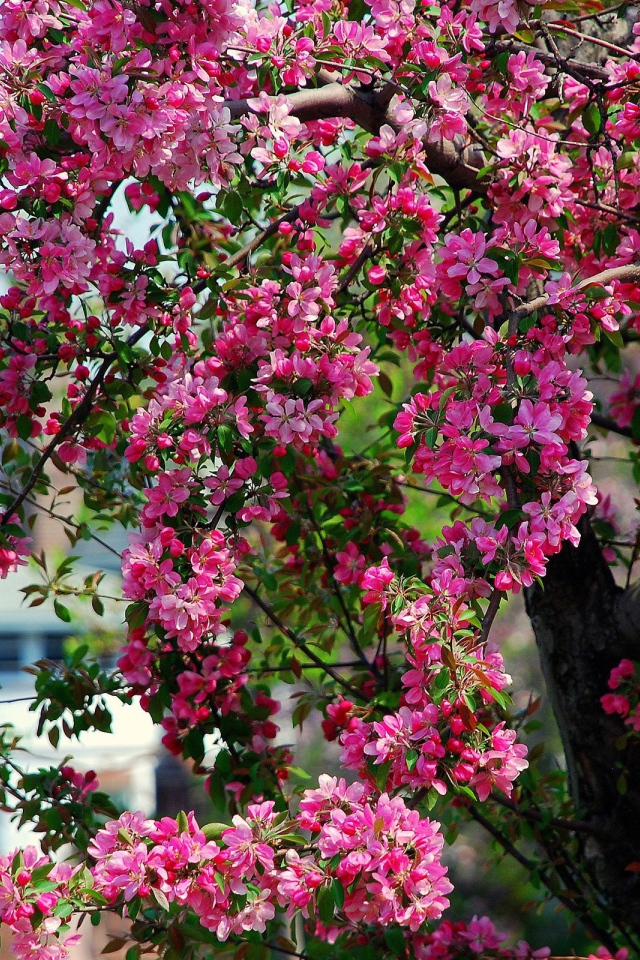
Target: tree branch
628,273
608,424
458,164
590,70
568,901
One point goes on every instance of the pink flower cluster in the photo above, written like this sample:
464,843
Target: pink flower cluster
624,401
474,438
449,941
624,681
237,427
391,852
31,888
14,547
384,858
443,734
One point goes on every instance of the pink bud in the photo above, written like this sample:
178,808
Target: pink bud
377,275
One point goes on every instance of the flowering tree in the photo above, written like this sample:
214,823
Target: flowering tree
440,202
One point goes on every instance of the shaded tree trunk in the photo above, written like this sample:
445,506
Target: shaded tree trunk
584,625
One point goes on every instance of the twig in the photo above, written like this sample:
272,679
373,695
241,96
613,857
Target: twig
349,629
252,245
298,642
354,269
490,614
508,847
448,496
608,424
65,520
578,826
81,411
587,38
609,209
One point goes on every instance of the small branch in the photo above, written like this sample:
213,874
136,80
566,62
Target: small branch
568,902
252,245
629,273
349,628
65,520
355,268
298,642
608,209
447,496
368,107
597,16
569,65
504,842
608,424
347,664
576,826
587,38
77,417
490,614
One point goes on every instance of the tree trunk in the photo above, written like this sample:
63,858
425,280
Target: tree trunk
584,625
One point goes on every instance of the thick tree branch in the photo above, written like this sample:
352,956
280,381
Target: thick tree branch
369,108
570,899
627,617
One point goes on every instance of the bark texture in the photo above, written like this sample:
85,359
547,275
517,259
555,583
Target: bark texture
584,625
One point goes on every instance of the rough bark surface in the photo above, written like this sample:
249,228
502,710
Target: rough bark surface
581,635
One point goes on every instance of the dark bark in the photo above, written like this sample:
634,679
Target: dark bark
584,625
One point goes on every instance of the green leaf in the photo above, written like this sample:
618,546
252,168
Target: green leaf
385,383
411,757
63,613
610,239
213,831
500,62
47,91
225,438
591,118
430,437
114,945
233,208
257,951
370,620
160,898
615,337
394,939
302,387
269,581
40,392
23,426
325,904
337,891
509,519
